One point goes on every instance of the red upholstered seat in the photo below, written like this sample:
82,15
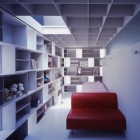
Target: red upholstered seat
102,114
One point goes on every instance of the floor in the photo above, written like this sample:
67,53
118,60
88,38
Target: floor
53,127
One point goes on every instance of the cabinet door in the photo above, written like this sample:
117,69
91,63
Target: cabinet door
79,88
102,53
31,39
67,80
90,62
101,71
9,117
67,62
32,121
8,59
90,78
78,53
45,61
53,48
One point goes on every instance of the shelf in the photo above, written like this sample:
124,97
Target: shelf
40,78
35,90
38,43
22,60
22,114
27,53
38,95
22,106
21,119
22,65
40,111
36,60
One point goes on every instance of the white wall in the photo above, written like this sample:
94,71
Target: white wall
121,73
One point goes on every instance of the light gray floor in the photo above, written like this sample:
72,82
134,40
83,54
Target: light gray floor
53,127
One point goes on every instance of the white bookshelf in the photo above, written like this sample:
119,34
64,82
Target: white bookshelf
80,66
24,58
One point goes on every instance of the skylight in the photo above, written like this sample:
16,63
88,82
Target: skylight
55,25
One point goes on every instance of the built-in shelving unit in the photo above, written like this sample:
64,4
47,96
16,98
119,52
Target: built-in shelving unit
80,66
30,76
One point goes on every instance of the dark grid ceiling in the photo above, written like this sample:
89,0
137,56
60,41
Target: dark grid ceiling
93,23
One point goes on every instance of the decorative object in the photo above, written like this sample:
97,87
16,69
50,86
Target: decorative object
38,84
46,78
35,102
33,63
13,92
79,71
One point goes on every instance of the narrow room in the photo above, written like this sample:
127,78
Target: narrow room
69,69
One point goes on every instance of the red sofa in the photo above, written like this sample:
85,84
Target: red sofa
96,111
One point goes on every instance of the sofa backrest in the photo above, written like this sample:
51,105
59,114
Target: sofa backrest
94,100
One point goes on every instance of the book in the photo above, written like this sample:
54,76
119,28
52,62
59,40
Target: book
33,63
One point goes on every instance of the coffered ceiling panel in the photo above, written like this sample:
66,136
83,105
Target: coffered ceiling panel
36,1
79,10
121,10
77,22
100,1
95,22
97,10
92,23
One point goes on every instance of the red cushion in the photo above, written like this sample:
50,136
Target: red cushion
94,100
102,118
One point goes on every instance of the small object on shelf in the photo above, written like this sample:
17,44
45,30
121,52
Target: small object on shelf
14,96
59,75
62,62
19,93
38,84
34,64
13,92
7,95
79,71
46,79
20,87
9,98
35,102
